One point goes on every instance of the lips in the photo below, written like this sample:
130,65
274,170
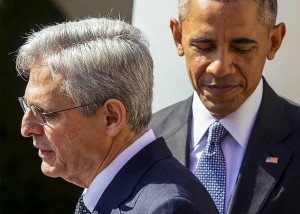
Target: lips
42,152
219,89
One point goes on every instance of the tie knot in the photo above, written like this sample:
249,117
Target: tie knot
216,132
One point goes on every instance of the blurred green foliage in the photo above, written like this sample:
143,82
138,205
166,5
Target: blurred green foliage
24,188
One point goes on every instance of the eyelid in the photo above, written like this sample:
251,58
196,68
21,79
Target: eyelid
49,113
243,48
42,111
202,42
243,44
203,45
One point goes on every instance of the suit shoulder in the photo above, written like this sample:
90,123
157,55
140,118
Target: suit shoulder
174,187
292,109
175,111
165,112
292,116
171,118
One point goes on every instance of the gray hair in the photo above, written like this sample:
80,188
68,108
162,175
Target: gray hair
267,10
100,59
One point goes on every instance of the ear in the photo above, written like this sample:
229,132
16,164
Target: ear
177,36
276,36
115,117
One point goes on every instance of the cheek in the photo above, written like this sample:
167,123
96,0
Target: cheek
62,141
196,66
251,71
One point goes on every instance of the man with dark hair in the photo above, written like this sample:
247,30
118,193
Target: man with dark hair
235,133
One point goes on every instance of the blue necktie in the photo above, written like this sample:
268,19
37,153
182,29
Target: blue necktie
81,208
211,168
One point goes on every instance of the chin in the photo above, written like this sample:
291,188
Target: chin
49,171
219,110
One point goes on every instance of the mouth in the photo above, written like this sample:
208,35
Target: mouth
219,89
43,153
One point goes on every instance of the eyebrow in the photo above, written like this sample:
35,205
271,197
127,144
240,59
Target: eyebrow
235,41
201,40
243,41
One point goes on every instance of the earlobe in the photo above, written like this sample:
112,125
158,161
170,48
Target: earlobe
115,116
177,36
276,37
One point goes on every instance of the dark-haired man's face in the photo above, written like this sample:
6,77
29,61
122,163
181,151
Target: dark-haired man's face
225,46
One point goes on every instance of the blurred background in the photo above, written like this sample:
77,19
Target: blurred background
23,187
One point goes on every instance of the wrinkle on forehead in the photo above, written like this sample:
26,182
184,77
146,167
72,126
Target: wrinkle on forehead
42,83
42,75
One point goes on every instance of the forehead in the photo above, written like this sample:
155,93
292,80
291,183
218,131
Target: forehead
204,9
42,84
222,17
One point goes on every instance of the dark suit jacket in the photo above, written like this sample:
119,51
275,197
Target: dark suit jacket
153,181
261,187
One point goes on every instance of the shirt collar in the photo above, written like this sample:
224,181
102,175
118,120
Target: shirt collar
92,194
239,123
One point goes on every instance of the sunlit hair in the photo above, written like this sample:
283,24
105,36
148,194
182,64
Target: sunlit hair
267,10
99,58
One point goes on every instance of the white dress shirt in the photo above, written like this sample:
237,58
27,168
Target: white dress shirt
92,194
239,124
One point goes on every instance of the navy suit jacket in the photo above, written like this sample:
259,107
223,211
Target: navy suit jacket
261,187
153,181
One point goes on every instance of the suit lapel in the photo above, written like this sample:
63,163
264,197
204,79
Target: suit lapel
265,158
176,131
127,178
176,144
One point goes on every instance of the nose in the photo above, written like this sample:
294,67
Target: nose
30,126
221,63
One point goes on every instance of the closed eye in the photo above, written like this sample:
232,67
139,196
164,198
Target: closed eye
243,49
203,47
243,45
202,44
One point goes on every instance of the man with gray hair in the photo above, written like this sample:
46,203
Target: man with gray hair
234,133
87,106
